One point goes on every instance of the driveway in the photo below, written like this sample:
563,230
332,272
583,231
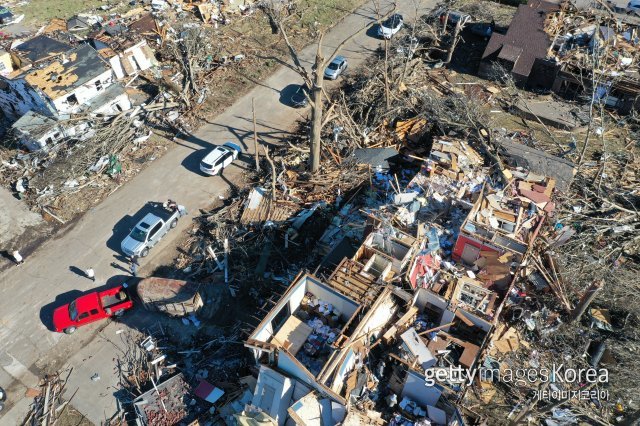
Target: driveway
29,292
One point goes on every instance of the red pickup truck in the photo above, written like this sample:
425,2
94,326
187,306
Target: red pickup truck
91,307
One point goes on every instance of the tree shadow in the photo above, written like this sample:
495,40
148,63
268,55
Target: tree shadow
245,136
286,94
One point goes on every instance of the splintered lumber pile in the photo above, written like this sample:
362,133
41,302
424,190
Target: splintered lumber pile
48,406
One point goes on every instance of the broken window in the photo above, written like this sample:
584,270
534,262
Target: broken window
72,100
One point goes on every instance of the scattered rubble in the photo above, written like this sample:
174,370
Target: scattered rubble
448,256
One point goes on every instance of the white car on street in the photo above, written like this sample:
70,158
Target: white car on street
390,26
219,158
335,68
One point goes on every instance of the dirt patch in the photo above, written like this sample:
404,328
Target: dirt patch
73,417
15,218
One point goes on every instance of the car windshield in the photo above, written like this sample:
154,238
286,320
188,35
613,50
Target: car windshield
392,22
73,311
138,234
333,66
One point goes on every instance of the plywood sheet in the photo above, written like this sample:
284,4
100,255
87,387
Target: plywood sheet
293,335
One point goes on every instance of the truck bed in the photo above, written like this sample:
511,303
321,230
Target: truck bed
164,214
110,299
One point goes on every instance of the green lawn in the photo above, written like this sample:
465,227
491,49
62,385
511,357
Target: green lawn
326,12
39,12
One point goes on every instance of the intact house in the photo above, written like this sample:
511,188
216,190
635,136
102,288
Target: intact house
541,51
68,84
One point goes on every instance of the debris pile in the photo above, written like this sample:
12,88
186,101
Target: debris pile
159,374
48,406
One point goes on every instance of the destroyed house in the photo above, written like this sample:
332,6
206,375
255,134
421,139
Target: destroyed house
507,220
316,334
522,51
65,85
452,175
551,47
423,336
385,253
34,131
37,49
126,57
587,34
164,404
525,159
6,17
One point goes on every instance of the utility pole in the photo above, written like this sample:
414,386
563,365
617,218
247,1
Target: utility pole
255,135
226,261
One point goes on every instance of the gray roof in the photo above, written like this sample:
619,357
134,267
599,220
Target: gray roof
111,93
77,23
375,157
41,47
537,161
33,121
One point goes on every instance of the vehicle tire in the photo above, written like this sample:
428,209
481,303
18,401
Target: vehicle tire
144,252
119,313
174,223
69,330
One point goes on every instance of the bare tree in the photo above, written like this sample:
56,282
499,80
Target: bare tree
313,77
193,52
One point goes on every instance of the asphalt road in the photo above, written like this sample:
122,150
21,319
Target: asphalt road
29,292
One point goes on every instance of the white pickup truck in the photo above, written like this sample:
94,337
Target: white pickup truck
150,230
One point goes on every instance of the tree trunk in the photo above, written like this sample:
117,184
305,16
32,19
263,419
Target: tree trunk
273,173
387,95
586,299
454,42
316,111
